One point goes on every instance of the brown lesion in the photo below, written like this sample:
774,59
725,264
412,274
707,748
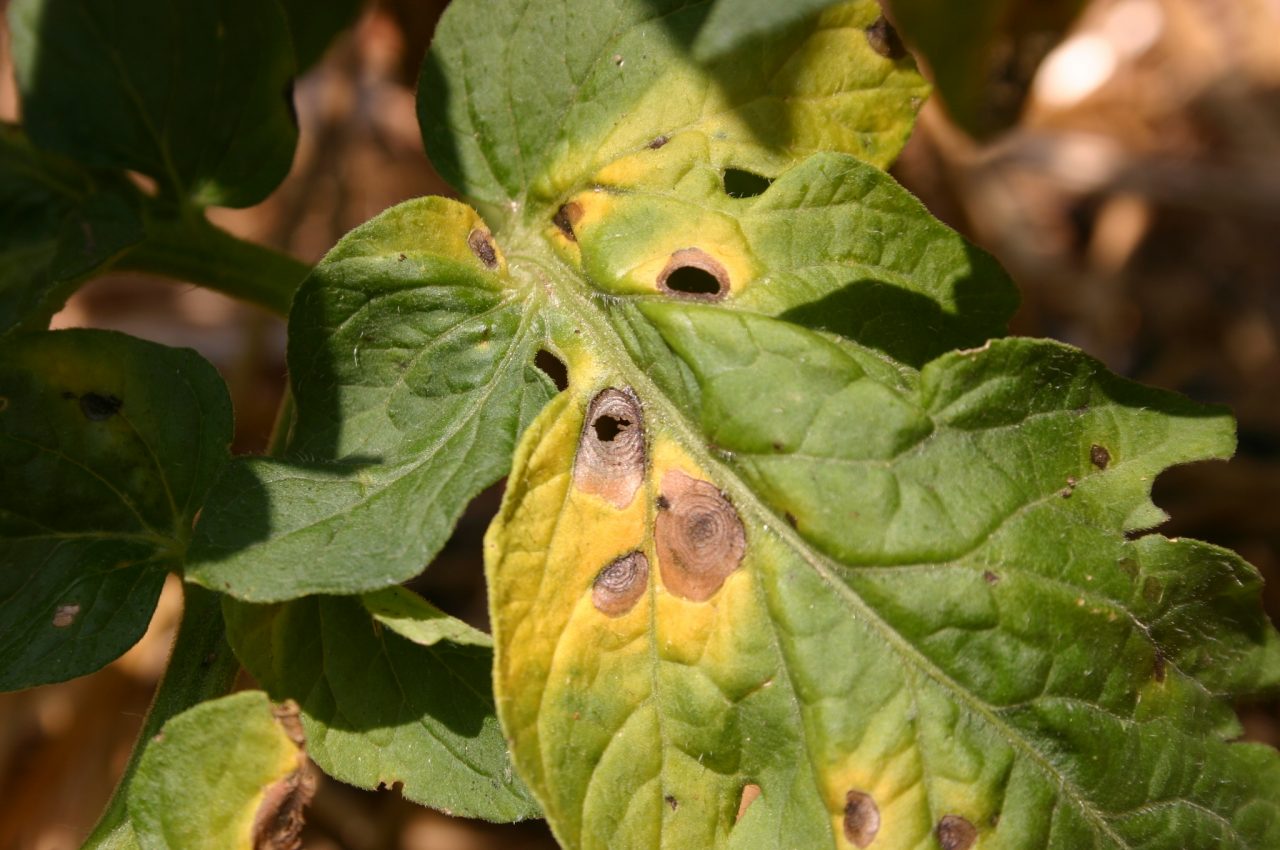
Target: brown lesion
619,586
692,273
699,537
566,220
750,793
278,822
956,833
610,462
861,819
480,241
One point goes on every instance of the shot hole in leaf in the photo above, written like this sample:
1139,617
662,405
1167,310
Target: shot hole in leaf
699,537
618,587
739,183
610,462
956,833
693,273
481,243
861,818
750,793
553,367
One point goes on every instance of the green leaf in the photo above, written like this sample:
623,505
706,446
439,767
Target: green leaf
380,708
225,775
107,446
412,368
59,224
315,25
979,52
524,104
733,22
196,95
410,616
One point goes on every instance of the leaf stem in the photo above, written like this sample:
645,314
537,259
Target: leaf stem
199,252
201,666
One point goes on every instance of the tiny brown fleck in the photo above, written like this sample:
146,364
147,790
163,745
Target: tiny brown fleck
1161,665
480,241
65,615
750,793
956,833
401,257
1066,493
566,218
884,39
990,577
617,59
662,503
700,539
1099,456
657,143
693,273
98,408
672,802
611,448
618,587
861,818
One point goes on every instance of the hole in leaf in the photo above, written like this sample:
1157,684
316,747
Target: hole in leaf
607,427
611,452
884,39
553,367
693,273
619,586
861,818
956,833
745,184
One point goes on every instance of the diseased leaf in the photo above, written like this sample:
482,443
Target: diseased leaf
197,95
381,709
412,368
107,446
59,223
225,775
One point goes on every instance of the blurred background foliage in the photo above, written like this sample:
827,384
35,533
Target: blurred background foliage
1120,157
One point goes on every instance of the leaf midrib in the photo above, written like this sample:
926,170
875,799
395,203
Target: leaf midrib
561,281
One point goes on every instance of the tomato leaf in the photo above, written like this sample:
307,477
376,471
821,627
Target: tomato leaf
107,446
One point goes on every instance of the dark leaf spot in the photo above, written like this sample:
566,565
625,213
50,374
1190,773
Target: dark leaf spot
956,833
750,793
278,823
1128,566
553,367
400,258
693,273
861,818
745,184
566,218
791,519
1161,665
657,143
619,586
1100,456
611,456
884,39
97,407
1066,493
700,539
672,802
481,243
662,503
617,59
990,577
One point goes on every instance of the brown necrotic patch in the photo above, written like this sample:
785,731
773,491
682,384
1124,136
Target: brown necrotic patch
619,586
1099,456
861,819
693,273
699,537
750,793
567,218
611,451
884,39
956,833
480,241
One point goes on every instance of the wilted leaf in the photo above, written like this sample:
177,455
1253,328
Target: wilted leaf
59,223
225,775
197,95
381,709
107,446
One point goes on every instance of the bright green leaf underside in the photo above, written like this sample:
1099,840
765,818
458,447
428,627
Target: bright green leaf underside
823,558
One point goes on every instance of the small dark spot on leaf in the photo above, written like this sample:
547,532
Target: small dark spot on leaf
617,59
1071,481
553,367
65,615
611,448
1161,663
618,587
208,660
657,143
990,577
1100,456
1066,493
401,258
745,184
700,538
662,503
672,802
956,833
777,447
884,39
481,243
97,407
566,218
791,519
750,793
693,273
861,818
1128,566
